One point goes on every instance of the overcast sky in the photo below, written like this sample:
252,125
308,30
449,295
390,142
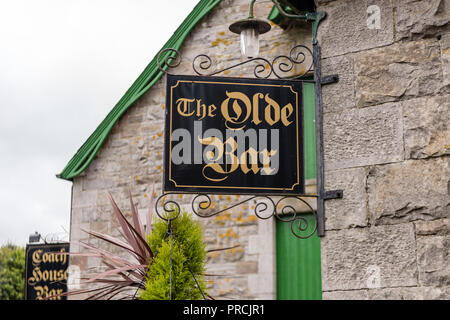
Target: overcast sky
63,66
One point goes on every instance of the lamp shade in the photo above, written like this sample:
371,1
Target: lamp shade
250,43
249,31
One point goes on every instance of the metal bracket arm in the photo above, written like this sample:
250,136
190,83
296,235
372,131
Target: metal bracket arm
314,17
333,194
329,79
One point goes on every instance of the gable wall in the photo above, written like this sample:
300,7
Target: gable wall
386,138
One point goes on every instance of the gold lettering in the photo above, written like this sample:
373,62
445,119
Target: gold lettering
215,142
229,154
271,104
61,275
184,106
36,257
64,256
52,294
253,155
266,161
211,109
256,98
36,276
47,257
41,292
201,109
45,275
286,112
237,109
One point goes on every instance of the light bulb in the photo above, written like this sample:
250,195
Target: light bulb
250,42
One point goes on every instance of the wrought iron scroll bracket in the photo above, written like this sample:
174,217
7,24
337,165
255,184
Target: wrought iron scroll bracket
283,208
281,66
169,58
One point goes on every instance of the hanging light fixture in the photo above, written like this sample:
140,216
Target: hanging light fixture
249,30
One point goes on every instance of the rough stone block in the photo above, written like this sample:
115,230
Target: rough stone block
408,293
445,57
261,283
350,257
402,70
345,295
348,27
426,126
99,226
76,234
341,95
440,227
96,214
411,190
97,182
76,216
84,198
433,254
247,267
234,287
402,293
434,293
360,137
419,18
350,211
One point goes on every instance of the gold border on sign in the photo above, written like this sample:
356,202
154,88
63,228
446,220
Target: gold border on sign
232,187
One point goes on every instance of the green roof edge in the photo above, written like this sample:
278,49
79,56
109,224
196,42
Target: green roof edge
151,74
276,17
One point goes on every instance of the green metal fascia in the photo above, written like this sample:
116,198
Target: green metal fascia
84,156
276,17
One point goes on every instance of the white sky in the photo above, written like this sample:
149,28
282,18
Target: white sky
63,66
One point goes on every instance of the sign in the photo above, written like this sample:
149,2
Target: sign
233,135
46,271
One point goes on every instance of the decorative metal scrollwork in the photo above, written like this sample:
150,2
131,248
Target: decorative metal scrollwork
265,208
202,64
282,209
262,70
297,56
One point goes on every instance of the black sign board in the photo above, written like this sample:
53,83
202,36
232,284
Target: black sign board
233,135
46,271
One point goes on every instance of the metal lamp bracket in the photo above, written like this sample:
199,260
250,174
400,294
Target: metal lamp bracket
314,17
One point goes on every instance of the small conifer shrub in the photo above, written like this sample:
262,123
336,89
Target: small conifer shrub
177,269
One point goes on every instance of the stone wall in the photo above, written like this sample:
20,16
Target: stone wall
386,137
132,159
387,145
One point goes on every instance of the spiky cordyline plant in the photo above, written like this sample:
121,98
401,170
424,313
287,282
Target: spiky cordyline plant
133,273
